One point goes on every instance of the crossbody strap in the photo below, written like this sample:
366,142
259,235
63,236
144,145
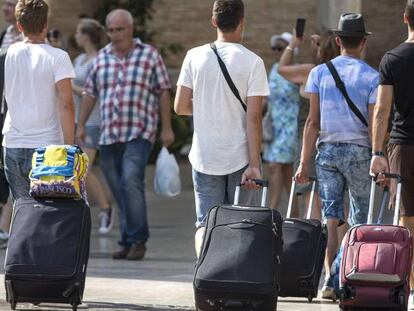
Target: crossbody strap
227,76
341,86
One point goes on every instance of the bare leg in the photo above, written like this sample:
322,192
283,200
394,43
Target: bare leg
287,173
93,185
316,206
276,183
341,232
332,246
199,240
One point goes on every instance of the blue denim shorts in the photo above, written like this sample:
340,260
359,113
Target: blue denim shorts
213,190
342,165
17,166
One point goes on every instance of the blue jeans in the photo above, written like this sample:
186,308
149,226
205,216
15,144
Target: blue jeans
339,165
124,167
213,190
17,166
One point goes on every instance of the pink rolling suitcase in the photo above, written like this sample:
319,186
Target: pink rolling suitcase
376,263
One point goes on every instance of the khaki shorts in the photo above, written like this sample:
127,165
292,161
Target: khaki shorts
401,160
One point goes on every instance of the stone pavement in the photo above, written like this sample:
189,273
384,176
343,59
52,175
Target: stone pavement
163,280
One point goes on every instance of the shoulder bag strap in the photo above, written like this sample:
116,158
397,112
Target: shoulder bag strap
341,86
227,76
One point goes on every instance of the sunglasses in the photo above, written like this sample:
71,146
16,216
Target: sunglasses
278,48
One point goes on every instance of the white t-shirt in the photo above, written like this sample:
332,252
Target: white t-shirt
220,141
31,73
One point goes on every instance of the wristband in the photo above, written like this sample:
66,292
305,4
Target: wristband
289,48
378,153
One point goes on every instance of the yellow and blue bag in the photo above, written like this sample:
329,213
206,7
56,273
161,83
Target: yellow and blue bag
59,171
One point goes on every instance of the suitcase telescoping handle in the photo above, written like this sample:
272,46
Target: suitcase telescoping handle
292,192
262,183
397,200
384,202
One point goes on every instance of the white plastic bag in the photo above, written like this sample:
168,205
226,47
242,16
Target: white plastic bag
167,180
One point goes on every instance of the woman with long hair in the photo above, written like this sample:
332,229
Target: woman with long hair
89,36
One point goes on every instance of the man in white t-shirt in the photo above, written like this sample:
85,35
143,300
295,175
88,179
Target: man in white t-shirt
39,96
227,139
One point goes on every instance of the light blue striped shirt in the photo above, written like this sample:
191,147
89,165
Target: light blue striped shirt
338,122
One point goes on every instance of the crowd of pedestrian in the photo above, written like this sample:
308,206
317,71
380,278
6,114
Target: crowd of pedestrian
111,98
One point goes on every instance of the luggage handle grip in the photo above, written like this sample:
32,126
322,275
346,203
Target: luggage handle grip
292,192
397,200
261,182
389,176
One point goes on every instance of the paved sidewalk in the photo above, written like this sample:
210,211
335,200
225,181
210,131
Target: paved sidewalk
162,281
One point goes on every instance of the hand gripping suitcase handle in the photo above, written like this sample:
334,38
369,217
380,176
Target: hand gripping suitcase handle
263,183
397,200
292,192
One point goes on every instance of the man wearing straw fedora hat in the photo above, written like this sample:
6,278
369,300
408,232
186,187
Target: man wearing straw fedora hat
343,93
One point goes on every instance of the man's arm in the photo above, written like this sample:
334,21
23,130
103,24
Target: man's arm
183,103
382,110
370,120
310,135
66,110
254,140
167,134
86,108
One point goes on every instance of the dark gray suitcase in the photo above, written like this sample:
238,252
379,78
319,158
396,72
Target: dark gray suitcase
304,244
48,251
238,268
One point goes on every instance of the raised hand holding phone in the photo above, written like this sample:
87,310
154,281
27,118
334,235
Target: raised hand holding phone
300,27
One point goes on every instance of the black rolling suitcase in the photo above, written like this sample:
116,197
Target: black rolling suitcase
303,253
48,251
239,263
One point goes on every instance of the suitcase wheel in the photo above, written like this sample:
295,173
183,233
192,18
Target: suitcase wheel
74,306
13,305
310,298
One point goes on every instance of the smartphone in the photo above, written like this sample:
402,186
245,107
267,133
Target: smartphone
300,27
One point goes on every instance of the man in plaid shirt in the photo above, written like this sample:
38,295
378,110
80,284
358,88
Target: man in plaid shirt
130,81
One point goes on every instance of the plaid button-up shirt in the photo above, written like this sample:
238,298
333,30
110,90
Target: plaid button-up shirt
128,92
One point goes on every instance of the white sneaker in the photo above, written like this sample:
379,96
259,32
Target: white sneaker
106,221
